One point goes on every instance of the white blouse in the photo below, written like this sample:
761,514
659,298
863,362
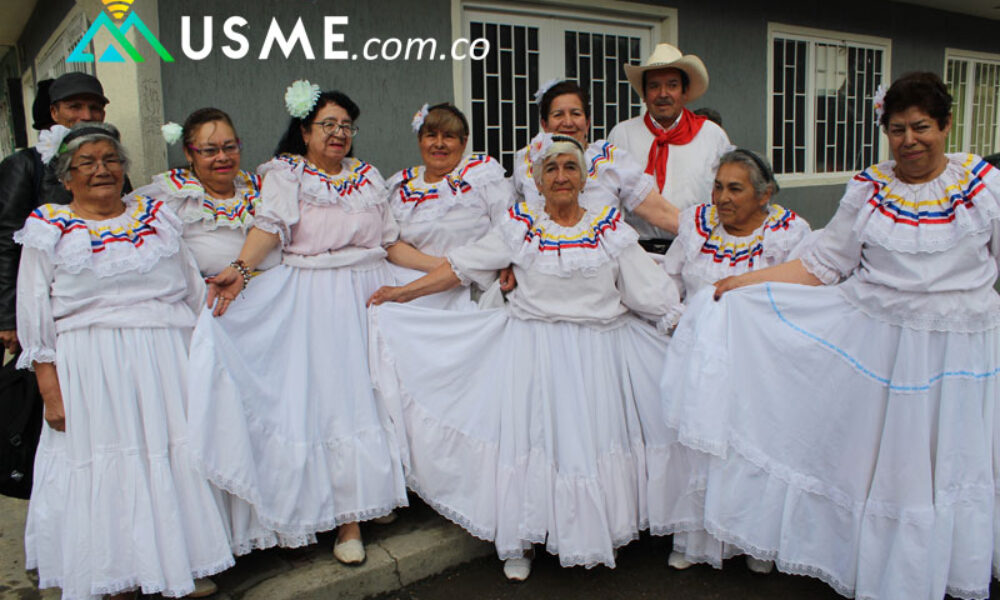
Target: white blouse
704,252
129,271
920,255
326,221
214,229
592,273
614,178
437,217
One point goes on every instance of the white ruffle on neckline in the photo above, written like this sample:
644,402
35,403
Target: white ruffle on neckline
927,217
134,241
702,233
536,240
358,187
196,205
412,199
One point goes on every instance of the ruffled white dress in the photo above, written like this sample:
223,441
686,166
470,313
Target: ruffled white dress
527,423
117,502
214,229
438,217
704,252
614,178
282,407
849,431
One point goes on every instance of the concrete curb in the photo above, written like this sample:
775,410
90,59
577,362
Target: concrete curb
392,563
420,544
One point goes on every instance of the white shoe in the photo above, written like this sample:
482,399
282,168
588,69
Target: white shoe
203,587
677,561
350,552
760,566
517,569
386,519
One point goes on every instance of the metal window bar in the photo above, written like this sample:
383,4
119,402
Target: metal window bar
504,114
595,61
984,108
956,73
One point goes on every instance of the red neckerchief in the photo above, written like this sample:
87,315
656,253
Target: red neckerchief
659,150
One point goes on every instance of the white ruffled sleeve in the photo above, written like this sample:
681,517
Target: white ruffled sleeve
836,250
646,290
479,261
390,228
995,244
626,175
673,264
278,209
36,327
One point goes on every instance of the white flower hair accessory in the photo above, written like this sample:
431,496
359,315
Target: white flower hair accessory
539,145
879,101
418,119
172,132
544,88
300,98
50,141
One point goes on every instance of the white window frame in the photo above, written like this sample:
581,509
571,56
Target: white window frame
781,30
973,57
660,19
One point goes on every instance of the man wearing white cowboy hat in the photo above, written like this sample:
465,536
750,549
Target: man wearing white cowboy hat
681,147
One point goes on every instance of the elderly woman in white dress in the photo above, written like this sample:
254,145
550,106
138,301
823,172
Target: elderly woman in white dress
448,201
216,201
526,423
214,197
282,402
614,178
847,428
741,230
106,299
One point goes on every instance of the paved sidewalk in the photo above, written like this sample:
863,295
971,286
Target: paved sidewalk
419,544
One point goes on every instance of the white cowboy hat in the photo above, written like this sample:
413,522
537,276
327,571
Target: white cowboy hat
667,56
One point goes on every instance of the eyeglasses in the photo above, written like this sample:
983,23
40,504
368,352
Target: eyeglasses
230,149
334,128
90,167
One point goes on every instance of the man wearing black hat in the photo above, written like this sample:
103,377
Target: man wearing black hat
25,183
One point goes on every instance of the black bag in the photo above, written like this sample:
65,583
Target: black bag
21,412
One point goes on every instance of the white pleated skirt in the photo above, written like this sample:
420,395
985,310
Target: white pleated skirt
282,410
117,502
842,447
523,431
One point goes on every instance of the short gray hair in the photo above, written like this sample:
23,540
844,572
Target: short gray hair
759,170
560,145
86,132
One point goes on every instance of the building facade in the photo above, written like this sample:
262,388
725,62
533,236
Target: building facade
793,80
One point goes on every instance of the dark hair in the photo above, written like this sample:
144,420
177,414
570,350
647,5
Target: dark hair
563,87
447,118
921,89
685,80
292,142
199,118
40,108
709,113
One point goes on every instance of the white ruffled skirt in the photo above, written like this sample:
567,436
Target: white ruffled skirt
842,447
458,298
282,408
117,502
523,431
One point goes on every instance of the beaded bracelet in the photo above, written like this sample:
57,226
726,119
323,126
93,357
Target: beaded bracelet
241,266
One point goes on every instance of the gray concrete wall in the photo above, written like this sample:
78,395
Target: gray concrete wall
44,20
252,91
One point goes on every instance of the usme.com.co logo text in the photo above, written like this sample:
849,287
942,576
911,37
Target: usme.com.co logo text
235,45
